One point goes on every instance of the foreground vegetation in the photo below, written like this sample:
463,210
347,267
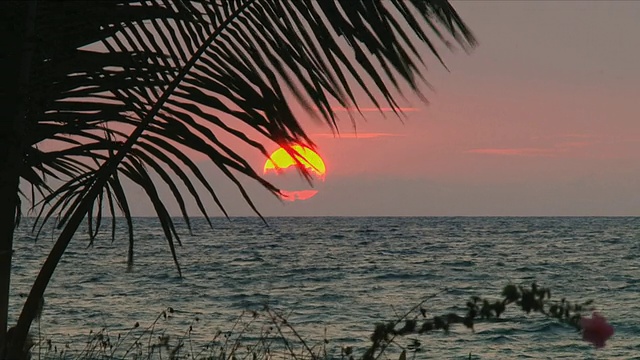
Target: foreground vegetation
267,333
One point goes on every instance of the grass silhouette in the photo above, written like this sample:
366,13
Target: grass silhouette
268,334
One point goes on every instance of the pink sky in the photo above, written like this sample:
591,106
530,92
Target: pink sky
541,119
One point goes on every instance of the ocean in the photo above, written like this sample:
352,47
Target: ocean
334,278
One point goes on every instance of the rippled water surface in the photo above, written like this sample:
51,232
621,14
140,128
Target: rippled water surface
343,275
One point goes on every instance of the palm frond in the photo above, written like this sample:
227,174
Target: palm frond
166,75
116,84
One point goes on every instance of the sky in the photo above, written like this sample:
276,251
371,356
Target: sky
541,119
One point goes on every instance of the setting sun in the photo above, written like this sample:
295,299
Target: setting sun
280,159
281,162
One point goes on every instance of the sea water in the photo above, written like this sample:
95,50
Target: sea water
336,277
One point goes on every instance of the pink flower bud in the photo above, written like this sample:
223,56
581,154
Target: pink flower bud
596,330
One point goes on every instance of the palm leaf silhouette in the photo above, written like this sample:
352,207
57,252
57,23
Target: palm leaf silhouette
117,90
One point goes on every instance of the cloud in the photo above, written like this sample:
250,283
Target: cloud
579,136
374,109
554,150
575,144
570,136
355,135
517,151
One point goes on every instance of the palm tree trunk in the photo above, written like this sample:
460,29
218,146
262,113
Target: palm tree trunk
18,35
8,206
10,158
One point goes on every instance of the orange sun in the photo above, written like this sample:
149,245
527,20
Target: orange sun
281,161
